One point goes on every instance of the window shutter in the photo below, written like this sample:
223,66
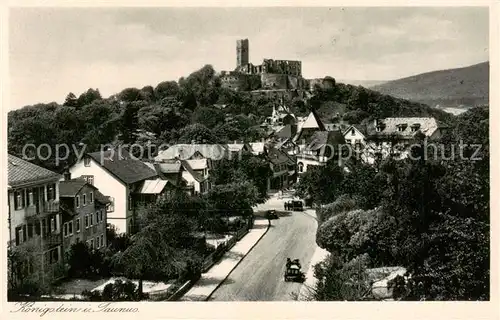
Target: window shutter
24,233
17,236
16,204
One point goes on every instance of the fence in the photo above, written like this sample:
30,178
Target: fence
211,259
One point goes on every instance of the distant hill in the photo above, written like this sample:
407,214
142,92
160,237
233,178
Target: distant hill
461,87
363,83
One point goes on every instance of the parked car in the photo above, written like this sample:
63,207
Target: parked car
294,205
293,272
271,214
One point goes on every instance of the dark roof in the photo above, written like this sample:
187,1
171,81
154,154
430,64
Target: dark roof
288,131
323,138
22,172
189,169
277,156
70,188
101,198
124,167
361,128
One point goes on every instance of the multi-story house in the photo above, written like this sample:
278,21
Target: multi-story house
394,135
323,146
117,175
83,210
196,161
283,167
34,220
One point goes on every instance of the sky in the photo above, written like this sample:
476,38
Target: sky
54,51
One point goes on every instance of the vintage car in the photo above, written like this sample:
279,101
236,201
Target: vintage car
271,214
293,271
294,205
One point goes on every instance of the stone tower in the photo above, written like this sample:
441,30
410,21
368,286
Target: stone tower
241,53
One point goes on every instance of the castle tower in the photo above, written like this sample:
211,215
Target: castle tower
241,53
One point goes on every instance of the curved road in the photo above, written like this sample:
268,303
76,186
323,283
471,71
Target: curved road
259,276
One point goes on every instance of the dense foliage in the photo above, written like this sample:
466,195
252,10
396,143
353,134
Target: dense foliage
195,108
430,216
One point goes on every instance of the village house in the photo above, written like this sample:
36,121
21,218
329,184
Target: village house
237,148
307,128
283,168
196,161
323,146
258,147
34,220
190,176
118,176
83,210
355,135
394,136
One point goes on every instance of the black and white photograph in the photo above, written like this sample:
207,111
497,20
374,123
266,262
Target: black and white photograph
247,154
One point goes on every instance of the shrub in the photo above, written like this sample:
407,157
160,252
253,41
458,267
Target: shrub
343,203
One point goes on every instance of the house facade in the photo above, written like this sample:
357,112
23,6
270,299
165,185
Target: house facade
393,136
355,135
34,221
84,217
283,168
324,146
117,175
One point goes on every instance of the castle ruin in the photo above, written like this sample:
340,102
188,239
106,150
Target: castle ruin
270,77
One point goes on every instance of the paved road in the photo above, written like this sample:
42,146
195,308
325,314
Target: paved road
259,276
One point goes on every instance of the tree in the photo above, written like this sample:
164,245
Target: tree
131,95
84,262
88,97
207,116
197,133
71,100
163,245
166,89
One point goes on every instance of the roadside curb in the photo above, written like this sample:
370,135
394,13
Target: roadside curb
237,264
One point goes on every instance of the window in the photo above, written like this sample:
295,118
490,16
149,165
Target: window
77,199
110,207
54,255
86,221
52,224
91,243
20,235
300,167
51,192
65,228
91,197
353,132
30,198
97,217
18,200
129,204
102,240
86,162
70,228
97,243
89,179
77,225
84,201
91,219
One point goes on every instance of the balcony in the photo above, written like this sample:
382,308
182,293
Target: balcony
47,240
51,206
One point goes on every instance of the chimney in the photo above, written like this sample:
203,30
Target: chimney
67,174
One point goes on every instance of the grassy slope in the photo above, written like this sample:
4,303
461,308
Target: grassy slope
453,87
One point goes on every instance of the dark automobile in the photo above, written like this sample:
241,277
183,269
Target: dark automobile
293,272
294,205
271,214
